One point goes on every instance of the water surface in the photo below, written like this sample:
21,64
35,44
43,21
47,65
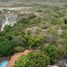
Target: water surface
4,63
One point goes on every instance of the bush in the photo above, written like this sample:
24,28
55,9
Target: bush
51,51
65,20
32,41
65,5
25,18
61,51
6,48
19,49
21,62
33,59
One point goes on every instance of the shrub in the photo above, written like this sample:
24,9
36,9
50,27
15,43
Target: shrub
61,51
65,20
19,49
33,59
38,59
21,62
6,48
51,51
32,41
65,5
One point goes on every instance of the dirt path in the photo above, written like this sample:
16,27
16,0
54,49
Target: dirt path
15,57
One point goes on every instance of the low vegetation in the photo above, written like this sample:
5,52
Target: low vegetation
44,33
36,58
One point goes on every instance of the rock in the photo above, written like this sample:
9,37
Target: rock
53,66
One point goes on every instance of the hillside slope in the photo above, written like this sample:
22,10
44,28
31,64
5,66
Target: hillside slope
16,2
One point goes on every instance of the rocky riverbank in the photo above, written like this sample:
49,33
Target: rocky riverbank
4,58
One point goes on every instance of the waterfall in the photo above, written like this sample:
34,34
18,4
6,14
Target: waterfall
10,19
6,23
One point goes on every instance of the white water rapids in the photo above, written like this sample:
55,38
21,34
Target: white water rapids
10,18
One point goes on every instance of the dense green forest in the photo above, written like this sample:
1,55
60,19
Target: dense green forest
45,33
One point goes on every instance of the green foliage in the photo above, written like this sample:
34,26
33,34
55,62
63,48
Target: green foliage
65,20
65,5
48,27
51,51
6,48
19,49
38,59
32,41
61,51
21,62
33,59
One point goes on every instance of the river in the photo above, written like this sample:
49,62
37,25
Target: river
4,63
